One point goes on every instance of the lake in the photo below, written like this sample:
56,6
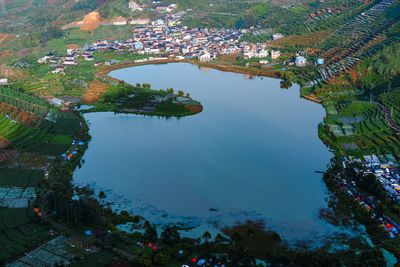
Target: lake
250,155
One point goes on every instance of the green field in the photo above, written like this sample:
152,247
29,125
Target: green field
75,36
19,233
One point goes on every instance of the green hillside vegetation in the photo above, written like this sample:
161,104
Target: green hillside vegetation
32,150
380,69
76,79
19,232
392,101
75,36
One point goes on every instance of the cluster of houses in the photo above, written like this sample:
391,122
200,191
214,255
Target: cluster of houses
386,170
61,62
169,38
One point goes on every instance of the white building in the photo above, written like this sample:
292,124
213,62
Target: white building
300,61
248,55
59,70
133,6
119,21
277,36
56,102
275,54
139,21
206,57
262,53
3,81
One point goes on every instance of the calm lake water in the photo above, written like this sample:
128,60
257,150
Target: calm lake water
251,154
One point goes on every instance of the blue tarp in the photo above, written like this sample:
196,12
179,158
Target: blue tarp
201,262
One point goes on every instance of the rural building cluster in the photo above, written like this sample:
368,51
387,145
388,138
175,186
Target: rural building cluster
168,37
386,170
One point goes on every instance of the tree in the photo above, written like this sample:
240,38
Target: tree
150,231
287,79
161,258
170,235
146,86
102,195
206,236
181,93
371,185
285,84
219,238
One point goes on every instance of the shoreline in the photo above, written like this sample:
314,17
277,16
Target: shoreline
105,70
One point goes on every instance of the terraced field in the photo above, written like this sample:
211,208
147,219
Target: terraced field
392,101
36,134
359,128
19,233
301,8
329,21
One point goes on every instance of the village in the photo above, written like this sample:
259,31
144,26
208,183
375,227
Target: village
386,171
168,39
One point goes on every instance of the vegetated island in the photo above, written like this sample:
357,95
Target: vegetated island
141,99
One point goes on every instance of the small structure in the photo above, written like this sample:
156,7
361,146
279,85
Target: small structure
70,52
3,81
301,61
56,102
138,45
139,21
119,21
111,62
320,61
262,53
133,6
277,36
206,57
46,58
275,54
59,70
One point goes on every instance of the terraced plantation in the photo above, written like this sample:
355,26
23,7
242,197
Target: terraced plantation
258,36
19,232
30,124
33,134
324,19
392,101
359,128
